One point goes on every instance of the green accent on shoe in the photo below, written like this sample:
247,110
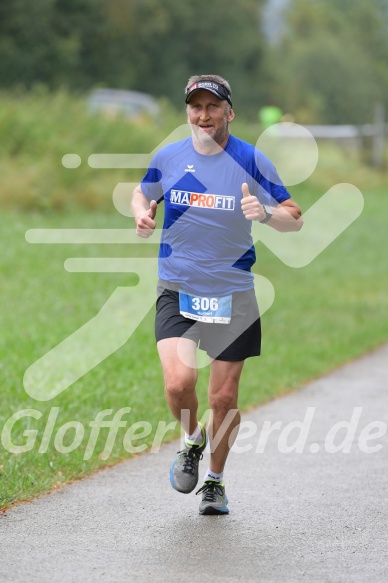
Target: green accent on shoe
214,499
184,469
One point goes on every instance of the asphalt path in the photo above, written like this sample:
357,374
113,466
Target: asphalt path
308,502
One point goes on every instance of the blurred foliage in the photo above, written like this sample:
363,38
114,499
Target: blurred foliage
39,127
144,45
330,65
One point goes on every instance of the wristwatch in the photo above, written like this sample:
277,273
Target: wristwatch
268,213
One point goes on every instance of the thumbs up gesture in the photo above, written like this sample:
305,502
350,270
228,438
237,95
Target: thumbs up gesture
145,224
153,208
245,190
250,205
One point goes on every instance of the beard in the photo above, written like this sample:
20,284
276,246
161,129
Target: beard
207,141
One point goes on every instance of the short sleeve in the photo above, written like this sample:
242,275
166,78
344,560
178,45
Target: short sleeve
269,183
151,184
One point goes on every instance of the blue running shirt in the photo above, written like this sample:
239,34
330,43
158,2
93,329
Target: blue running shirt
206,245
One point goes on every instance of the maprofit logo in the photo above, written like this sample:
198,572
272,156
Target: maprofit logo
209,201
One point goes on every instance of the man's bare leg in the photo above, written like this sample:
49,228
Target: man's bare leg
180,379
225,416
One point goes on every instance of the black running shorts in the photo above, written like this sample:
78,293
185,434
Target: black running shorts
238,340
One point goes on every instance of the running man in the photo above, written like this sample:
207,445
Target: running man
213,186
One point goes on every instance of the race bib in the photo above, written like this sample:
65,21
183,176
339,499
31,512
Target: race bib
214,310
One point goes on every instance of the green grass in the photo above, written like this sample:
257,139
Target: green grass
325,314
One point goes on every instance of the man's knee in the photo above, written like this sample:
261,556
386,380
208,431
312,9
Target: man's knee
223,401
177,386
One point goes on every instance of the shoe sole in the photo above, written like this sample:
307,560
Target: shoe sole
211,510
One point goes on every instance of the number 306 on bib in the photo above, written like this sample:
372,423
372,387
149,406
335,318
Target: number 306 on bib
213,310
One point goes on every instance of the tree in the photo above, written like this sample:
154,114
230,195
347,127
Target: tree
166,42
42,41
333,60
145,45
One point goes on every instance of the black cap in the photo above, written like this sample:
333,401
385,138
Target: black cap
219,90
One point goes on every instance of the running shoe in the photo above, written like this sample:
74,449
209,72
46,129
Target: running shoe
184,470
214,499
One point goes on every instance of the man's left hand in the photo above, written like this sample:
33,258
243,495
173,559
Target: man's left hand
251,206
286,216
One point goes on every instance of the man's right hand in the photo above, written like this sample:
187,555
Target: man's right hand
145,224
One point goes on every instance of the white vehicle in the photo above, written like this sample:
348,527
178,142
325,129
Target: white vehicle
132,104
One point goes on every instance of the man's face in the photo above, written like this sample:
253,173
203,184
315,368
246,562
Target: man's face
211,115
